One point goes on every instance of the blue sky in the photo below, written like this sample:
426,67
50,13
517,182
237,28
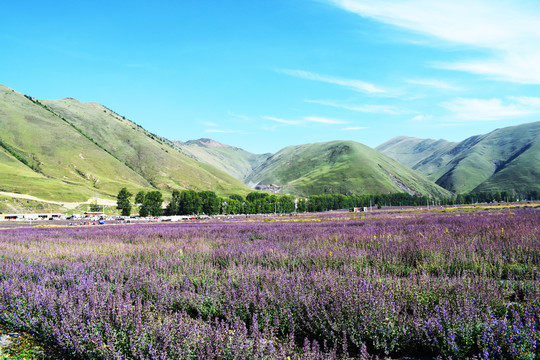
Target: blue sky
265,74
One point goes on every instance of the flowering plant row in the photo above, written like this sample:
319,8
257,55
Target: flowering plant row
330,286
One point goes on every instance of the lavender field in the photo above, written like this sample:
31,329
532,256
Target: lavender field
326,286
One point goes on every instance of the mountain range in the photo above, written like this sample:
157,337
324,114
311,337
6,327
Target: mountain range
506,159
66,150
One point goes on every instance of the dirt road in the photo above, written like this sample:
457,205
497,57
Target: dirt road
67,205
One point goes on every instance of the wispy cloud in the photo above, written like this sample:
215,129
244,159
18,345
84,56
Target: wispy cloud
526,100
422,117
353,84
306,120
238,116
492,109
209,123
282,121
324,120
221,131
354,128
508,29
376,109
432,83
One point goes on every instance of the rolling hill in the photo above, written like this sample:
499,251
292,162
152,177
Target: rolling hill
232,160
71,151
338,167
151,156
68,151
506,159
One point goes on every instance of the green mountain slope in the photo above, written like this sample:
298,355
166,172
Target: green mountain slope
338,167
506,159
68,151
424,155
50,159
150,156
232,160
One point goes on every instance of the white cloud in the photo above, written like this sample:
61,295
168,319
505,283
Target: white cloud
221,131
305,120
527,100
492,109
376,109
209,123
508,29
282,121
422,117
353,84
437,84
324,120
238,116
354,128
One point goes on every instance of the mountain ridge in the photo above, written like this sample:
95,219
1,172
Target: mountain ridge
68,150
505,159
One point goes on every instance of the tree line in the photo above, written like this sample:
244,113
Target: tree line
191,202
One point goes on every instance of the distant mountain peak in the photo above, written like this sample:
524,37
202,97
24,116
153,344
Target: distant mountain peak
208,143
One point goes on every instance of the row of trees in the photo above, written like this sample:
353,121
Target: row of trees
190,202
150,203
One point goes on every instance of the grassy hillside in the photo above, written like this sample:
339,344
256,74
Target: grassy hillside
68,151
231,160
339,167
504,160
152,157
424,155
52,160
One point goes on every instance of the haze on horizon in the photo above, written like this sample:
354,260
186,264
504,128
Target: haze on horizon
262,75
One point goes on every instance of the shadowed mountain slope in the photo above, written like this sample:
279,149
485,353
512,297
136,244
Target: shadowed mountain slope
232,160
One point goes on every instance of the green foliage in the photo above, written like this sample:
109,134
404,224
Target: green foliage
210,202
174,205
237,197
232,206
189,203
256,195
95,208
32,163
123,202
152,204
139,198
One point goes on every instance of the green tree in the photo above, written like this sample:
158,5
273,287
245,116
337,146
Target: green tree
256,195
174,206
301,205
139,198
285,204
237,197
123,201
210,202
152,204
189,203
95,208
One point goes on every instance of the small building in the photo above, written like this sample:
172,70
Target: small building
93,213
